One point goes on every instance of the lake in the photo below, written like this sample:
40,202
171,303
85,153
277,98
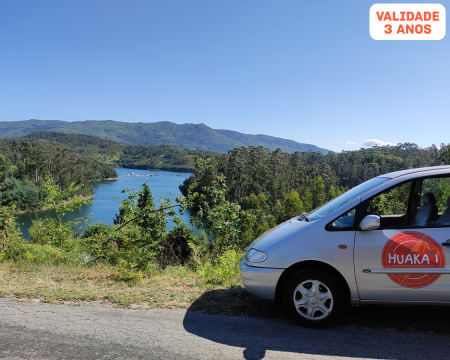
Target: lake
108,194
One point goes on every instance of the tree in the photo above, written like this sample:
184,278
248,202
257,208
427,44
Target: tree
292,205
143,228
9,235
58,232
444,155
318,193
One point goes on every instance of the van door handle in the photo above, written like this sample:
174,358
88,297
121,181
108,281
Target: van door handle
447,243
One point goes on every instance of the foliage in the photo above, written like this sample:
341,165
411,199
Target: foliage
56,231
176,248
143,228
239,195
291,206
101,243
220,217
162,157
44,254
10,238
14,247
200,250
86,145
225,271
51,232
26,164
128,272
233,197
392,202
440,187
444,154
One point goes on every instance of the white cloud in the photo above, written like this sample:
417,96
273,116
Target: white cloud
375,142
350,143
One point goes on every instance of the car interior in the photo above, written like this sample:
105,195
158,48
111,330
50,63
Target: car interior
407,205
419,209
428,212
444,219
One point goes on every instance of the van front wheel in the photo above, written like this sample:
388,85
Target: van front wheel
313,297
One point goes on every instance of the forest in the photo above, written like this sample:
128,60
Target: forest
239,195
163,157
315,177
149,157
26,165
232,198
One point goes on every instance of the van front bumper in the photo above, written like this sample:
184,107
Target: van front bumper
260,281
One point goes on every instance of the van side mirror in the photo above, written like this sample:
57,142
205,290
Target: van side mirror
370,222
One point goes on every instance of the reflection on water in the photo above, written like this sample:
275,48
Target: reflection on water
108,194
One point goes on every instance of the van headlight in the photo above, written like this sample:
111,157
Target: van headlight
255,256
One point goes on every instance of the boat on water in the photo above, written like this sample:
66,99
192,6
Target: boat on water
132,173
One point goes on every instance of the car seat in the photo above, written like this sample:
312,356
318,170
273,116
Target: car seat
428,211
445,217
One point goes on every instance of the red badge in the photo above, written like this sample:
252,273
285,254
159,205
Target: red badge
412,249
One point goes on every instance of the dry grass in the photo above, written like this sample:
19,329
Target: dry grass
175,287
171,288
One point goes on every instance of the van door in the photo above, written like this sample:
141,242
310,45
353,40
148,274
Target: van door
403,260
438,231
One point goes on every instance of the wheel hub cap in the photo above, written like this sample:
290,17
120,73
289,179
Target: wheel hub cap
313,300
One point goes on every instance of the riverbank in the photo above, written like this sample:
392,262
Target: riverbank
46,208
109,193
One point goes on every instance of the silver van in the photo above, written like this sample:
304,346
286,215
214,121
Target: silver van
384,241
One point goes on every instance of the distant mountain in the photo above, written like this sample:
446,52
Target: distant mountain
189,136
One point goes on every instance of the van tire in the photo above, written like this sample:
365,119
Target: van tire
328,285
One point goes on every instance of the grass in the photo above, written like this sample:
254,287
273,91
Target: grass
171,288
174,287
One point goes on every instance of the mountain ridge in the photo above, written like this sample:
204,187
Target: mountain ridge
187,135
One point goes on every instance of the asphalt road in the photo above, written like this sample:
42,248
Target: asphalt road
45,331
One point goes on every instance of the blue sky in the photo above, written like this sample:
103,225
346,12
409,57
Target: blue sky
304,70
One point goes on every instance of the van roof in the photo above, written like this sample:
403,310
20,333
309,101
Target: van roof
396,174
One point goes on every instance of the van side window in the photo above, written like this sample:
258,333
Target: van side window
391,206
344,222
434,202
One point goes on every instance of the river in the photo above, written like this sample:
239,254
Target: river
108,194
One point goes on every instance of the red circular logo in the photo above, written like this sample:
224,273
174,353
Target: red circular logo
411,249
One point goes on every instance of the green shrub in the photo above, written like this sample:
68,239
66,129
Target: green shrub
176,249
224,272
126,272
101,242
51,232
9,234
200,251
43,254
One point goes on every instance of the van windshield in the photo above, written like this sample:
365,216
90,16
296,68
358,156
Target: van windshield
341,200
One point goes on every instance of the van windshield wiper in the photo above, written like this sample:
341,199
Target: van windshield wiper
304,217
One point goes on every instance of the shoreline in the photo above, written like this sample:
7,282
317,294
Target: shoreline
82,197
170,169
43,209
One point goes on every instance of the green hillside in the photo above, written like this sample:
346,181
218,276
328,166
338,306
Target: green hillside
188,136
162,157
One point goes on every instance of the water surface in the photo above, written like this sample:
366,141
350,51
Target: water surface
108,194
